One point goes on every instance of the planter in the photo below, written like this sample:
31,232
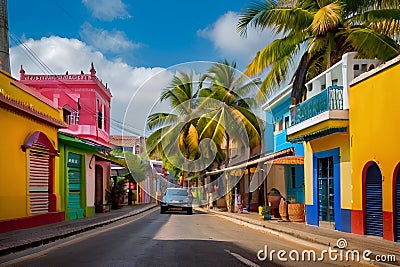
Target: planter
283,210
296,212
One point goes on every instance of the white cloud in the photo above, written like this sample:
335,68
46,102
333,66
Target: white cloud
107,10
229,42
114,41
62,54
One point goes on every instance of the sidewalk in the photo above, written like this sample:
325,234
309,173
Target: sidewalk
312,236
32,237
316,237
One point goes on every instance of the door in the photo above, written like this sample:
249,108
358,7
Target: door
74,186
373,201
326,198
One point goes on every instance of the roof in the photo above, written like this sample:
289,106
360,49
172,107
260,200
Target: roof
266,158
372,72
119,140
295,160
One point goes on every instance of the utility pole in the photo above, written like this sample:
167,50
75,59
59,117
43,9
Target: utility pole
4,41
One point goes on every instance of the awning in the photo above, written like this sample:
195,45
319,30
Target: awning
268,157
295,160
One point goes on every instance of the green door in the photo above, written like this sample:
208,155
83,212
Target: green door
75,210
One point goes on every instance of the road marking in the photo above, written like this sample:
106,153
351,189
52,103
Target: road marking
243,259
76,238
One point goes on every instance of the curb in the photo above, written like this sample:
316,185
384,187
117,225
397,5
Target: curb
310,242
40,242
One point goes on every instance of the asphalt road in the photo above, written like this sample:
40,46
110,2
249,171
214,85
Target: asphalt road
172,239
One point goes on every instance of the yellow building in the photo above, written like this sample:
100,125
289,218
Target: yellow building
374,130
321,123
28,141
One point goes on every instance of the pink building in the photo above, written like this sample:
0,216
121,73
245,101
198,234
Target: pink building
85,101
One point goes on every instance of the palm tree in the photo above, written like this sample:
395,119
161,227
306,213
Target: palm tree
230,117
175,132
325,30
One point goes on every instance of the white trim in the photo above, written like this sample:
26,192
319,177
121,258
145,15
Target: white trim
327,115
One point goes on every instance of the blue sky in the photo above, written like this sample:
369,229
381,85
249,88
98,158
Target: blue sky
128,41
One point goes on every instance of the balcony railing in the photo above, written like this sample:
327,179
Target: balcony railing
329,99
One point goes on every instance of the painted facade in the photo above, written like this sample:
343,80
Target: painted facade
374,129
287,174
28,170
85,103
321,123
76,173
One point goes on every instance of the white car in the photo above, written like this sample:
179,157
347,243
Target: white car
176,198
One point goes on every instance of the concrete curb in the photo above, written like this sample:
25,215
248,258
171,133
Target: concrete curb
288,235
74,231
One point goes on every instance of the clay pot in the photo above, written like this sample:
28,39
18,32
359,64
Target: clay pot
296,212
283,210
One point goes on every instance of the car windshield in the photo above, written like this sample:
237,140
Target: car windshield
177,192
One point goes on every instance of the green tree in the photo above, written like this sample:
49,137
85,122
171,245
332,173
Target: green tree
178,125
231,112
325,29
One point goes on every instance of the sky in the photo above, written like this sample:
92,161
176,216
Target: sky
135,46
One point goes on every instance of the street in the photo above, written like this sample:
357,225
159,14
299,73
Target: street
172,239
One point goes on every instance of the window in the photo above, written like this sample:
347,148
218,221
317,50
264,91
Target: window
364,67
335,82
278,126
323,87
309,87
286,122
99,120
356,67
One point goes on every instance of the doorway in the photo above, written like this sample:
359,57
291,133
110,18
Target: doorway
326,197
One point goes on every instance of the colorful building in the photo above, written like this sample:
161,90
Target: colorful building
374,128
321,123
287,173
85,103
28,156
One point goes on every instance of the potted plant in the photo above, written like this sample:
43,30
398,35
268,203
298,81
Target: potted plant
266,212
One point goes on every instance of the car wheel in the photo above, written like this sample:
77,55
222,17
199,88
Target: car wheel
162,210
189,211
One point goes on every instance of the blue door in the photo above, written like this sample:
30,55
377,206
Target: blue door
373,201
326,197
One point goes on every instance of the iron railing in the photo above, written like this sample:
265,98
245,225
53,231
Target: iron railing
329,99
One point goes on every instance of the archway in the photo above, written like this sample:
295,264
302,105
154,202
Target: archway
373,199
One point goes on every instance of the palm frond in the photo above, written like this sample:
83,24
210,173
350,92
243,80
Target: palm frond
372,45
268,14
326,19
276,51
157,120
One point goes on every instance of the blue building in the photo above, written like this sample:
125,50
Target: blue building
287,173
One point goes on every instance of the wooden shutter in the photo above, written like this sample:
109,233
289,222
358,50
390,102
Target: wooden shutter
39,174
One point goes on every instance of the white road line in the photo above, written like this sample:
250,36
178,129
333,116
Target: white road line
243,259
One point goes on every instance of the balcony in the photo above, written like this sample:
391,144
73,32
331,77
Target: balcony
320,113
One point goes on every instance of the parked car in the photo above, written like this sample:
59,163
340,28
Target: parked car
177,198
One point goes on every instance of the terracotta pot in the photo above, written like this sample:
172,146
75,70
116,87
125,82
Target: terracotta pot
283,210
296,212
